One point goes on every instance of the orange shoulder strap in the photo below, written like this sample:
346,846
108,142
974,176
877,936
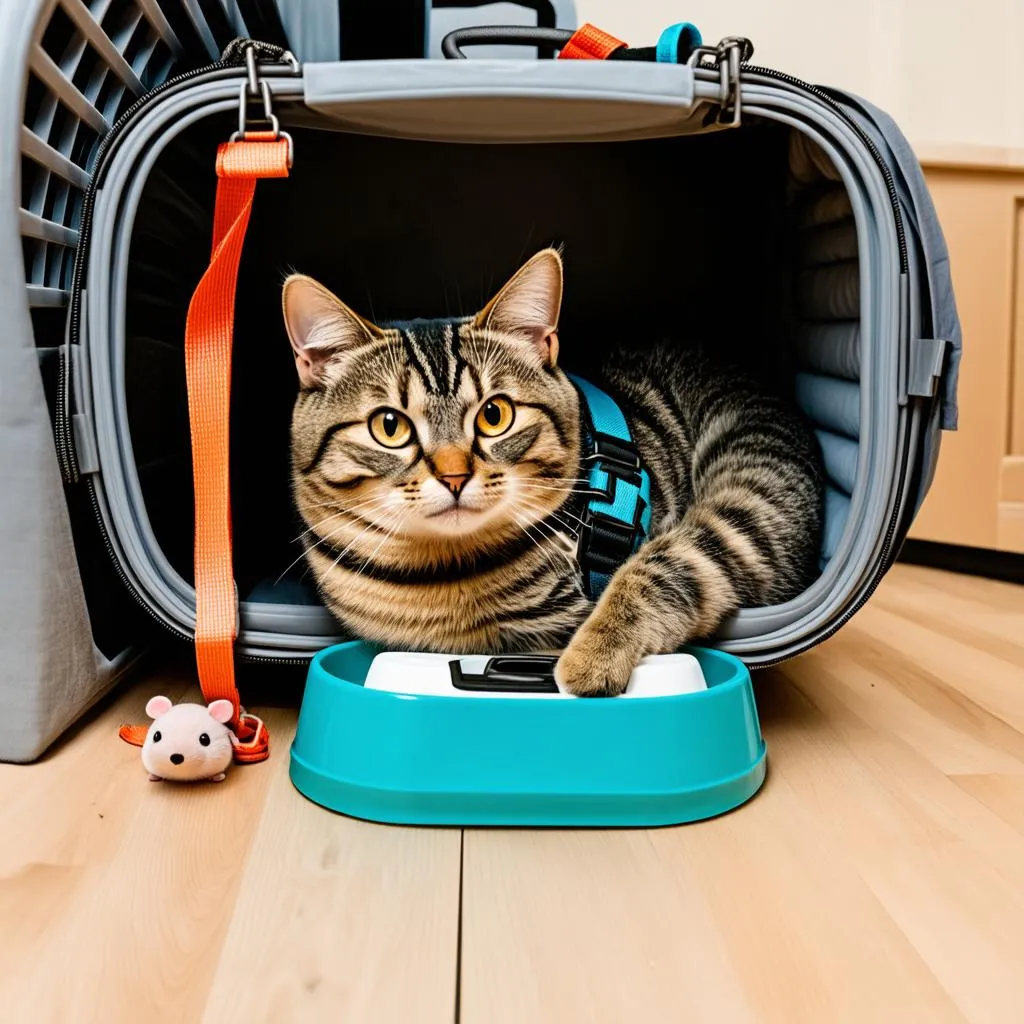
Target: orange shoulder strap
589,42
209,332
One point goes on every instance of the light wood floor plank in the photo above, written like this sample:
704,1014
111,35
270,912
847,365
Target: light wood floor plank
984,677
999,596
1002,794
895,694
948,871
137,938
803,927
589,926
343,919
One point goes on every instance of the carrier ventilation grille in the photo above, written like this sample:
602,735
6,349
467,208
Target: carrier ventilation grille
87,62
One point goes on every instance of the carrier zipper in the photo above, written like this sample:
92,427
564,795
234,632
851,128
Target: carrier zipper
887,556
730,58
232,57
262,659
129,586
885,563
869,144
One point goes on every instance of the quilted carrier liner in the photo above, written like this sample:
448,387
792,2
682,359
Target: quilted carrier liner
802,244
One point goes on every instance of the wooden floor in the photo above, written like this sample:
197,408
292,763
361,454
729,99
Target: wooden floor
878,876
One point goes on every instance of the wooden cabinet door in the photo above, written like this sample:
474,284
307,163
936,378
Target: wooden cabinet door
977,498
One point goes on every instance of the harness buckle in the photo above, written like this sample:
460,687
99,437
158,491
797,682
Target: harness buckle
614,453
605,543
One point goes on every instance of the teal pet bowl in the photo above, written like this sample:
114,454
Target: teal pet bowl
441,760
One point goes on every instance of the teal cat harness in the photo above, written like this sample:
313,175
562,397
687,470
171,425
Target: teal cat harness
616,513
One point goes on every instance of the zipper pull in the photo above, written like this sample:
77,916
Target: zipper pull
730,53
257,87
237,52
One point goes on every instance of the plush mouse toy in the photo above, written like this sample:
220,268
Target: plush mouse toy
188,742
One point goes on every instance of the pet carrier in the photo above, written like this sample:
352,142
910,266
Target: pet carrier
714,198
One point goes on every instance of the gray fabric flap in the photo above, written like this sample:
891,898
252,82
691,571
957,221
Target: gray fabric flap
917,203
503,100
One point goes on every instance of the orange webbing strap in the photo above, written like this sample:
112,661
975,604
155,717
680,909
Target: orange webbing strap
209,331
589,42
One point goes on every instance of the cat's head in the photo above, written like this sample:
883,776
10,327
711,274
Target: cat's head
459,432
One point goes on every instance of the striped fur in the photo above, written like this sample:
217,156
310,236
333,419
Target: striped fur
736,486
736,499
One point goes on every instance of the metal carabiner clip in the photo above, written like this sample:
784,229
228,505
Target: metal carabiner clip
255,87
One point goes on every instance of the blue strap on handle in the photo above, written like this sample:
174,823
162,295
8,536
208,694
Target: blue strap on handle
667,50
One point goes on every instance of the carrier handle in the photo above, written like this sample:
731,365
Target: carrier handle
547,16
502,35
676,45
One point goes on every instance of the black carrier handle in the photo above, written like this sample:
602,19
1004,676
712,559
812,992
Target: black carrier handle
547,18
551,38
503,35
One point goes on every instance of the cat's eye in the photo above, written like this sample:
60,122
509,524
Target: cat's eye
204,739
157,736
390,428
496,415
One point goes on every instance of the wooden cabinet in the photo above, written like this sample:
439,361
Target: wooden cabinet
977,498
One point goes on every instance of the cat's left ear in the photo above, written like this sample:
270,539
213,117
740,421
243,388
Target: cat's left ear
528,306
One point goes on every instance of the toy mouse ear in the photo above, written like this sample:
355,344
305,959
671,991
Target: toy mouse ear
221,710
158,706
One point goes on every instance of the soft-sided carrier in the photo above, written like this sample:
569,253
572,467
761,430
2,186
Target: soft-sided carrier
787,224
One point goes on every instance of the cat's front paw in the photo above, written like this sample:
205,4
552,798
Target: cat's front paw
597,663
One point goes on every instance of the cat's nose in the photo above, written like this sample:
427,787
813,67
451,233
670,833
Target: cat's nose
455,482
452,467
177,758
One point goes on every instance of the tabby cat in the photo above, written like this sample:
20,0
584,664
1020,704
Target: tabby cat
437,465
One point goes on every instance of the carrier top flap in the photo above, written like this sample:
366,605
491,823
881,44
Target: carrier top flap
917,204
505,100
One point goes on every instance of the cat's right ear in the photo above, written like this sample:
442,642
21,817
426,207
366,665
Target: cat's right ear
320,326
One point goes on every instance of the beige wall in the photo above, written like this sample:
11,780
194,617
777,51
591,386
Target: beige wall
949,71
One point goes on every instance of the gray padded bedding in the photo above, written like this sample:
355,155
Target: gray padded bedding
827,322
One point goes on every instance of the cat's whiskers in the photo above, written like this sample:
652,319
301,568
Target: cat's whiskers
567,488
336,506
375,503
529,485
544,515
553,480
541,544
554,513
392,529
541,517
320,540
372,504
348,547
